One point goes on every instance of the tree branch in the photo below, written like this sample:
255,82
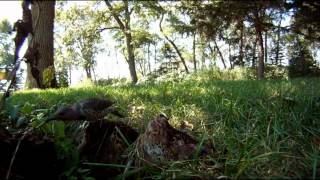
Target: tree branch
106,28
116,17
173,44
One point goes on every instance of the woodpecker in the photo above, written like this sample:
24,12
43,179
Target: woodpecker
88,109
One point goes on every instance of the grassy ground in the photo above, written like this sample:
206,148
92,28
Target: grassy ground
260,129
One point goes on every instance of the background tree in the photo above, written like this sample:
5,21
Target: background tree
165,34
301,62
6,45
125,26
79,36
305,18
6,50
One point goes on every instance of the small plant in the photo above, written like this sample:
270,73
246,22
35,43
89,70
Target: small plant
48,76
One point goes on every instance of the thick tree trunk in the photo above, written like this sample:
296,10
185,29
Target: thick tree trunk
220,54
174,45
43,13
194,51
258,29
131,60
132,65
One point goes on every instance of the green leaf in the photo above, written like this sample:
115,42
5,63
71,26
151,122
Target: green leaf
59,129
27,108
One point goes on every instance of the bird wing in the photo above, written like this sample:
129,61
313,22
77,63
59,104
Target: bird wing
96,104
95,109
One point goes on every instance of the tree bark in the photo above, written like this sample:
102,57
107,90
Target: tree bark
149,63
174,45
155,53
125,28
258,29
230,60
43,14
69,72
254,53
194,51
88,73
278,41
220,54
213,54
241,63
266,47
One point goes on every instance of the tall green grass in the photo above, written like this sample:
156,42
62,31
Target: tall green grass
260,129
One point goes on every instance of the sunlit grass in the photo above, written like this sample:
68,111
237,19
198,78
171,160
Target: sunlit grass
260,129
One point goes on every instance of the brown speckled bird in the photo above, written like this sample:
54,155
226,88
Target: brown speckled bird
89,109
161,143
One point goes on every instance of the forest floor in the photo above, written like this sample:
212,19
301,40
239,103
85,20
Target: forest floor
259,129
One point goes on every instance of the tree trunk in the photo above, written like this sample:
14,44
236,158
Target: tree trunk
131,60
132,66
155,53
278,41
254,53
149,63
213,54
220,54
258,29
194,51
266,47
277,48
125,28
230,59
174,45
69,71
144,66
43,13
88,73
241,63
140,69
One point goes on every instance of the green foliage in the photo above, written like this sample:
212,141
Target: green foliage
5,26
63,77
167,51
6,45
276,72
79,36
110,81
301,62
305,19
48,76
